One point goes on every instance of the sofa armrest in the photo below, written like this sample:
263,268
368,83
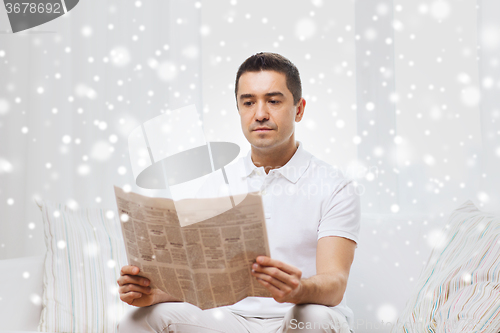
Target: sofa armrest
21,287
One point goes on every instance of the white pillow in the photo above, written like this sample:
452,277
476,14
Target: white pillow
85,252
459,289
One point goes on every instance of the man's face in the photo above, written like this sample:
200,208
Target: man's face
265,101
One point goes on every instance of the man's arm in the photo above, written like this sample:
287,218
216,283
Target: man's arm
334,256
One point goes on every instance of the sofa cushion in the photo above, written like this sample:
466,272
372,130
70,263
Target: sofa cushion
459,289
85,252
21,288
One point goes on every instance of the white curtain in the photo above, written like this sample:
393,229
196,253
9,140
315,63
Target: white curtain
401,95
71,90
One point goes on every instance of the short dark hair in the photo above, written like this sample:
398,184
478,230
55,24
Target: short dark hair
266,61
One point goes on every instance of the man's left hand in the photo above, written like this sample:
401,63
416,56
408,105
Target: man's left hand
282,280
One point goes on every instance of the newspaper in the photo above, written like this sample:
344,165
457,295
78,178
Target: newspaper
207,263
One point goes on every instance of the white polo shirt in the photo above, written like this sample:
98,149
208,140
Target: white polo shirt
304,200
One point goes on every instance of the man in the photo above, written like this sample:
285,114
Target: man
312,219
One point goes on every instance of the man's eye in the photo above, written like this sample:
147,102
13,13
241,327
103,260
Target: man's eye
274,102
247,103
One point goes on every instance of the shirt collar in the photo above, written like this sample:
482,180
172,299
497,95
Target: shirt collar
292,170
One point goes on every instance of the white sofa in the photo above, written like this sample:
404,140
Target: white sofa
386,265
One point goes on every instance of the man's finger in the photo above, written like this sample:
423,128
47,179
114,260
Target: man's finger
125,279
266,261
275,292
130,296
133,287
130,270
278,274
272,281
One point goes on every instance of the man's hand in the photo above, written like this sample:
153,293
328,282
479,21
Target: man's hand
282,280
134,290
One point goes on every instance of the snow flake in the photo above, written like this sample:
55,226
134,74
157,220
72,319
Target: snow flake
370,34
440,9
471,96
483,197
382,9
488,82
102,125
6,166
72,204
120,56
86,31
423,8
91,249
83,169
305,28
82,90
35,299
4,106
101,151
113,138
378,151
436,239
66,139
394,208
387,313
466,277
122,170
167,71
111,263
490,36
124,217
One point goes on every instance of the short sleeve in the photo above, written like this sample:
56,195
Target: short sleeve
341,213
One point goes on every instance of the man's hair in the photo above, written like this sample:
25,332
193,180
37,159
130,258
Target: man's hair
266,61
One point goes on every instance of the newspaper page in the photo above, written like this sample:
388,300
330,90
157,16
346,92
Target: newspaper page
207,263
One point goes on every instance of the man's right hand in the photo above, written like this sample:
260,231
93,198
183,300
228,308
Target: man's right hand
135,290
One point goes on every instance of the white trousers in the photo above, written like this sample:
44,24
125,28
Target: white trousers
179,317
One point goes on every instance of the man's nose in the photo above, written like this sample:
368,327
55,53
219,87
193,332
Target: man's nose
262,112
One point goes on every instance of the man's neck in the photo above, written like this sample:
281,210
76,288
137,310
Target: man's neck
273,159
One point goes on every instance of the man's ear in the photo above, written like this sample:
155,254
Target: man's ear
301,105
